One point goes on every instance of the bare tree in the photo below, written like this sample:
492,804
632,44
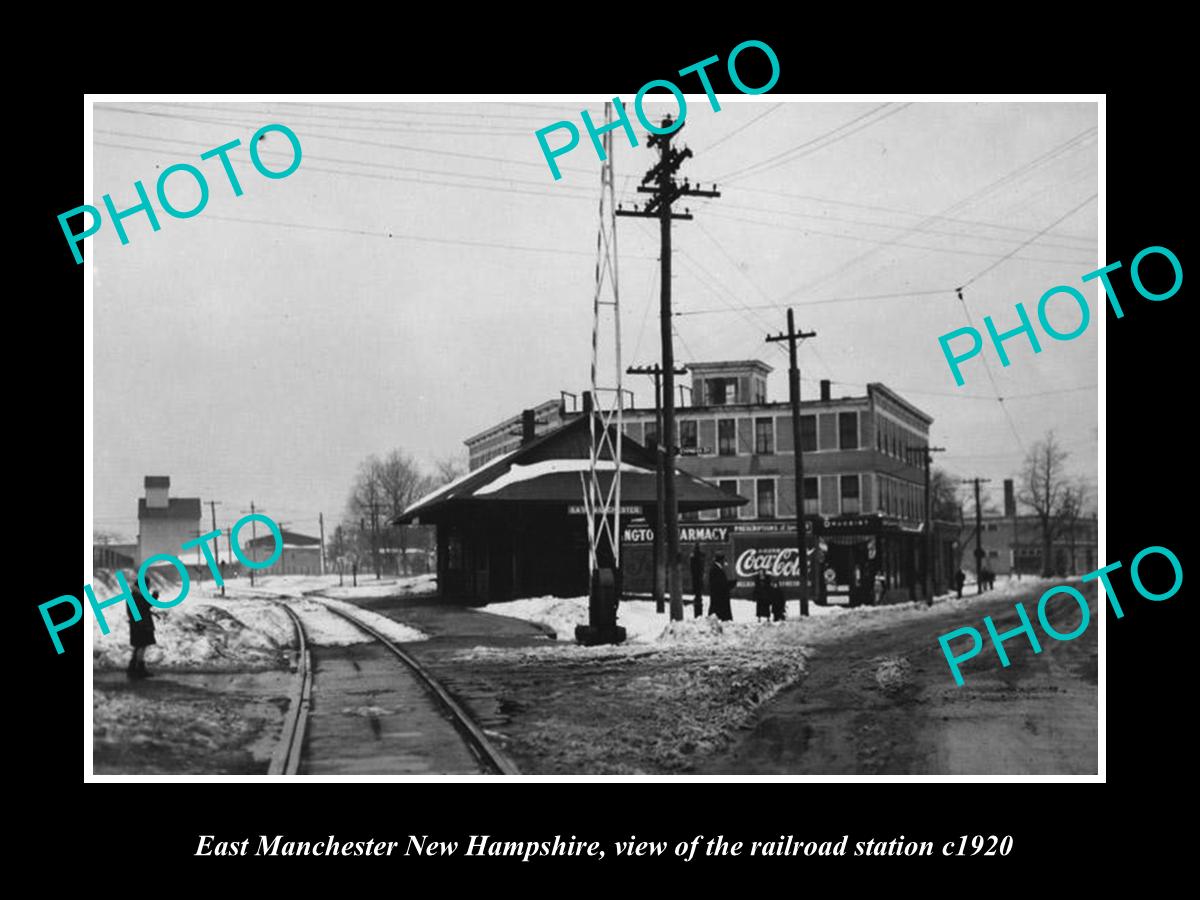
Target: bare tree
401,482
1044,488
366,502
446,469
1074,508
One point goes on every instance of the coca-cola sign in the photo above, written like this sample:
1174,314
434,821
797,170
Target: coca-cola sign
778,562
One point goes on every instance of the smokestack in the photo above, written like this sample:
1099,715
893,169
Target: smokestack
1010,499
528,424
824,388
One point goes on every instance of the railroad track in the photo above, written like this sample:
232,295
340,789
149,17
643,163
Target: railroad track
286,760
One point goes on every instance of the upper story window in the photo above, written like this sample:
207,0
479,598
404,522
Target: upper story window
729,486
651,434
722,391
811,496
849,486
848,430
764,436
760,390
808,434
687,435
766,498
727,438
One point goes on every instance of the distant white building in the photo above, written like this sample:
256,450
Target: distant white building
165,523
301,553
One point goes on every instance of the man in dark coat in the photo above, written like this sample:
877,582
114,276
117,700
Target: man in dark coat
719,585
960,579
762,597
141,632
778,603
698,579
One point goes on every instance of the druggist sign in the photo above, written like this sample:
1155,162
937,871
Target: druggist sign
750,548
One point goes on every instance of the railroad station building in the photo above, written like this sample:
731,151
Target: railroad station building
515,526
863,485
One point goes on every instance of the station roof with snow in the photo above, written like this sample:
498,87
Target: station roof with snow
553,467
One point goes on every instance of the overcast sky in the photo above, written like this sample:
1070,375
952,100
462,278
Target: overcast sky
422,276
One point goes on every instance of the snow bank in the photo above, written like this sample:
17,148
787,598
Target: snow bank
299,585
202,633
410,586
240,631
390,629
645,626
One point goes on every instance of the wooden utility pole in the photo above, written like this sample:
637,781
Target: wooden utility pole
375,537
321,523
927,454
660,558
791,337
212,505
253,540
978,530
665,192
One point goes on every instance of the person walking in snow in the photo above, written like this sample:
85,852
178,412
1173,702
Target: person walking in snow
141,632
960,578
719,586
698,579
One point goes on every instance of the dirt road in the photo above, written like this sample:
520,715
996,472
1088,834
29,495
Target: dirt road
884,702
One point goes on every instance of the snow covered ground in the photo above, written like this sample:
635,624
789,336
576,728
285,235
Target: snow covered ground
674,692
244,629
648,628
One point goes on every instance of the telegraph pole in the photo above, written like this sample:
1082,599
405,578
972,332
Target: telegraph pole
253,539
321,522
978,530
375,536
660,558
797,449
665,192
927,452
212,505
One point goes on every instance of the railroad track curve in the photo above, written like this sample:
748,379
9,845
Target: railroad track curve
287,757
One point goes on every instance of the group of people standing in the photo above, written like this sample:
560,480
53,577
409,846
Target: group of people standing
987,580
768,596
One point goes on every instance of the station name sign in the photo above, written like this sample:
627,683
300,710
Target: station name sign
579,510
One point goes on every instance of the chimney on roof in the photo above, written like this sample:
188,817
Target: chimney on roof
528,426
824,388
157,488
